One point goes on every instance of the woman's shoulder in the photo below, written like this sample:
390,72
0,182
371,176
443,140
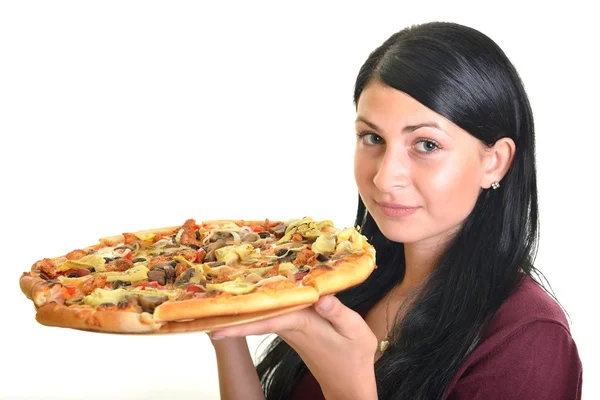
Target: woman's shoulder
527,341
529,305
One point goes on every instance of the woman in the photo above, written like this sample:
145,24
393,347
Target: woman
445,169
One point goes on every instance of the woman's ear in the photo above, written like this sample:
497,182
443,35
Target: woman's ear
499,158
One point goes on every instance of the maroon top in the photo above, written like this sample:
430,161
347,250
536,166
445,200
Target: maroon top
527,353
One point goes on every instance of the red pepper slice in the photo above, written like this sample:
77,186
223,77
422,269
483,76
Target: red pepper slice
71,290
258,228
129,256
194,289
144,285
200,256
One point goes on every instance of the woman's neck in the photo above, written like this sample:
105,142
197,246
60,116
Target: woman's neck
420,260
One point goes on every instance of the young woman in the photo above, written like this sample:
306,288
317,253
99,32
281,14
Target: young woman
445,169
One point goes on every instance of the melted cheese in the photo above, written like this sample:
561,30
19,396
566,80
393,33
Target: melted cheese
234,287
138,273
99,296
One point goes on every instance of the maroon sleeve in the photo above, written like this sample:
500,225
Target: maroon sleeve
539,361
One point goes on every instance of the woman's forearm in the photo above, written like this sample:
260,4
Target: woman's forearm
237,374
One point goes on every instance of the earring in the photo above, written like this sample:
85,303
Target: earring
495,185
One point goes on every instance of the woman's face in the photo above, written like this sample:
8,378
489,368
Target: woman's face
418,174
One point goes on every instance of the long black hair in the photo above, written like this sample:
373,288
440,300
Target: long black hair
464,76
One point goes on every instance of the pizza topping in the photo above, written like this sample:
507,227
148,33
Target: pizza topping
180,268
120,264
343,249
200,256
149,303
271,279
263,235
164,242
99,296
195,289
324,244
46,266
75,272
322,257
250,237
157,261
306,228
187,234
194,274
117,284
92,284
164,274
73,300
138,273
306,257
144,285
223,231
253,277
76,254
301,273
233,287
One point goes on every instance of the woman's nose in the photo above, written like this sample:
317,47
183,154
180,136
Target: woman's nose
393,171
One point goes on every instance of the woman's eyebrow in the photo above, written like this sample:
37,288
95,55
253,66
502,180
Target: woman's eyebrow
406,129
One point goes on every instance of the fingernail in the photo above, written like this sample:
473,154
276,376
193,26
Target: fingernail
325,304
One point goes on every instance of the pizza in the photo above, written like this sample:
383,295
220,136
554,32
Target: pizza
158,280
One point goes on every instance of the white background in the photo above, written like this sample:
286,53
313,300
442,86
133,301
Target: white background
120,116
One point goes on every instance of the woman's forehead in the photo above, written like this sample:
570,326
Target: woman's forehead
382,105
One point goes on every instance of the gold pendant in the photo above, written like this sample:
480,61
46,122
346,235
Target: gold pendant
383,345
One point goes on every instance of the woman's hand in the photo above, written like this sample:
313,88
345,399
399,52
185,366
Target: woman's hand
335,342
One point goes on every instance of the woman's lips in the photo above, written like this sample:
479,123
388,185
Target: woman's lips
396,210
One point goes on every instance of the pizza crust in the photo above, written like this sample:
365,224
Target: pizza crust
36,289
344,274
234,305
28,284
89,319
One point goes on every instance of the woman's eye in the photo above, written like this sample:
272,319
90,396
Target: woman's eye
370,138
427,146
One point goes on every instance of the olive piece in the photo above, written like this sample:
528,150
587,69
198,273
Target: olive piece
73,300
264,235
173,263
322,257
193,246
197,232
117,284
137,260
281,252
44,276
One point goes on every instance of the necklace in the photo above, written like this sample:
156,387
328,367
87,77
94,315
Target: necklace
383,345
